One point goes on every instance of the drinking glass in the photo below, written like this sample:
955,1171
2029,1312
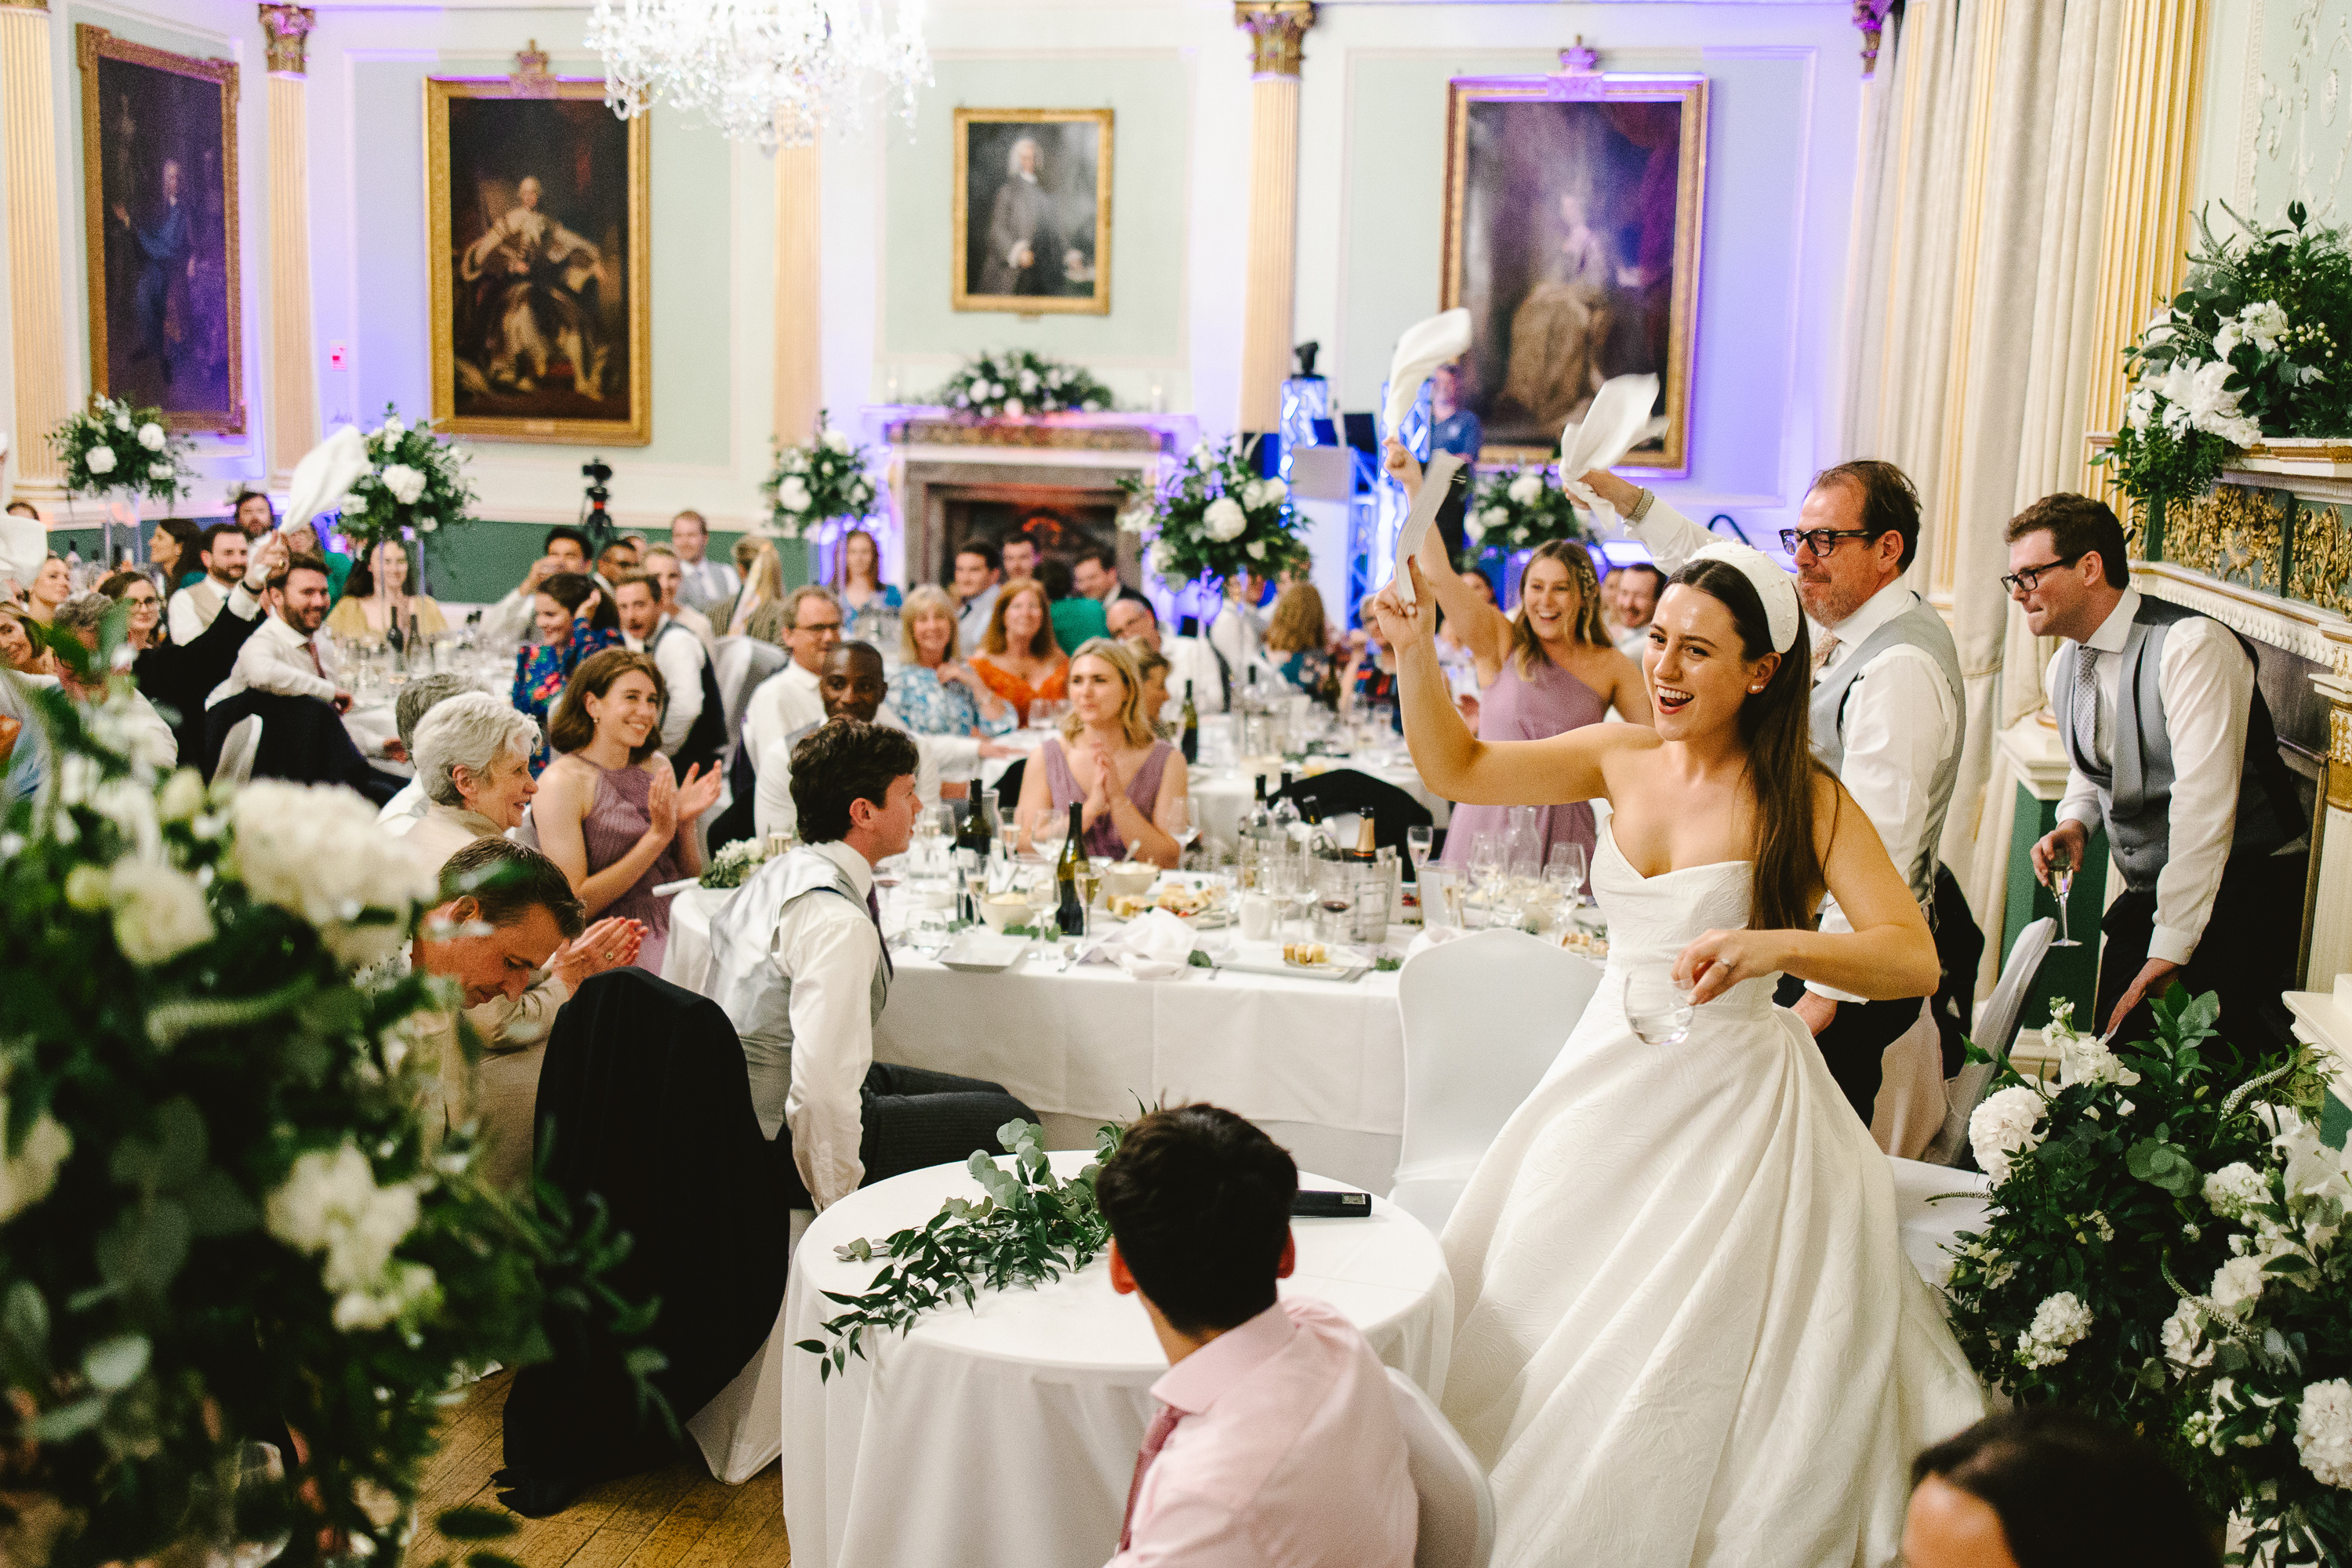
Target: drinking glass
1564,873
1181,827
1441,898
1035,875
1657,1007
1417,843
2062,882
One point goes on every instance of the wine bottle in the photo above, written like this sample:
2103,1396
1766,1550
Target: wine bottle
1071,915
1191,745
971,828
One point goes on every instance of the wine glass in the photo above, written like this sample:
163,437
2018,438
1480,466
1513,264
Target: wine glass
1657,1007
1181,827
2062,882
1417,844
1564,873
1036,875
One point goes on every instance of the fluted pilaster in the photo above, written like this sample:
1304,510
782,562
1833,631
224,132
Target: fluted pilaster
1277,30
800,324
29,144
293,380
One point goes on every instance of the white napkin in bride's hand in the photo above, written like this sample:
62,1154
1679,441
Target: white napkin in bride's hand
1154,946
1441,340
1433,485
1617,420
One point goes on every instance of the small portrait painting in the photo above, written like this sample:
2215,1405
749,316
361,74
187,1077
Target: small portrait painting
537,207
159,161
1033,210
1573,227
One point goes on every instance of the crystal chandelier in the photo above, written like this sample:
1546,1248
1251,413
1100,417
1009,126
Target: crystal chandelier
773,72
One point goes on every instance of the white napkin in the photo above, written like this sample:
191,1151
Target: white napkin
24,546
1154,946
1441,340
1434,482
1432,936
1617,420
326,475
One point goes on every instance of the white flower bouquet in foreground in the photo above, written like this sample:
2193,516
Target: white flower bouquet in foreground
1216,516
822,483
2164,1253
112,446
227,1205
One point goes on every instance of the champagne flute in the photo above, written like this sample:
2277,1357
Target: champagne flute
1088,876
1038,891
1658,1007
2062,882
1418,842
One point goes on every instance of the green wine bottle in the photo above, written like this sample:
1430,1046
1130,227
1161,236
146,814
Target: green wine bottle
1071,914
1191,743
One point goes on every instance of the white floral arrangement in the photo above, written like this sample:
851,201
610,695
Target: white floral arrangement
2163,1253
112,445
732,865
1214,515
824,481
416,482
1017,383
1514,510
227,1199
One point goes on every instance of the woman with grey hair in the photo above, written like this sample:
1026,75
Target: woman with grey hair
473,761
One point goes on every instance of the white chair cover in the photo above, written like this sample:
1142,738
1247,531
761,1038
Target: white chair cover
1996,1031
1910,1107
744,663
1457,1506
1483,1016
238,748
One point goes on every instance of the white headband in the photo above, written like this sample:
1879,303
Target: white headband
1781,615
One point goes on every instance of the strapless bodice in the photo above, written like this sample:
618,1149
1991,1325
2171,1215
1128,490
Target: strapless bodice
1653,919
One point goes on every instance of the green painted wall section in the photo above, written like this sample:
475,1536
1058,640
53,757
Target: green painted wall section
484,559
2070,972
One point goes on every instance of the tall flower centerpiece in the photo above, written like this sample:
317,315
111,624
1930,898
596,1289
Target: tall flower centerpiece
822,483
1214,515
112,447
415,479
230,1207
2253,346
1520,509
1014,383
2166,1252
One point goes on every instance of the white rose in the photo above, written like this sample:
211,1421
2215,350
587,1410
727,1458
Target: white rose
2323,1432
404,1288
122,420
2138,410
1225,519
404,482
1012,407
1255,549
1475,525
1135,518
793,495
2060,1320
1254,494
159,471
834,441
1526,489
2082,1059
325,1190
1092,406
315,850
359,1249
150,435
99,460
2237,1284
181,796
1163,559
159,912
2183,1335
428,523
2003,1126
1028,380
393,428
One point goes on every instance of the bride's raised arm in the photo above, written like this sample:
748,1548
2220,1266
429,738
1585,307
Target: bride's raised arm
1890,953
1458,765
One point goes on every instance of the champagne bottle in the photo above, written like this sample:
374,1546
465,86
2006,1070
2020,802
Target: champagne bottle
1366,851
1191,745
1071,915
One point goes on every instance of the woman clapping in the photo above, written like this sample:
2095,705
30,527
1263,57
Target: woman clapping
1131,785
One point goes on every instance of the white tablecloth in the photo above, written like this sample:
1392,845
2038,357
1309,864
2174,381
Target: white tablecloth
1318,1064
1008,1435
1220,795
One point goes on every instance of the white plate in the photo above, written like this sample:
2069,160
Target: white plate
984,952
1266,958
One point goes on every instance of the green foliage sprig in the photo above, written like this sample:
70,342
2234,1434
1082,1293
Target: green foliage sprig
416,481
1014,384
1031,1227
1214,517
112,446
821,482
1518,509
733,865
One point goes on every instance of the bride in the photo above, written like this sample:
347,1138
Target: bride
1685,1330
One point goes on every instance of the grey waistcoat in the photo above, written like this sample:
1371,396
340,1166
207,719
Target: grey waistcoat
2136,794
751,986
1921,627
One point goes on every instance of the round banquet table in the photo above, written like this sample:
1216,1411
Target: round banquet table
1007,1434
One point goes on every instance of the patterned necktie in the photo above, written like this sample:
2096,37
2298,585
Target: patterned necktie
312,649
1823,649
873,908
1155,1437
2087,705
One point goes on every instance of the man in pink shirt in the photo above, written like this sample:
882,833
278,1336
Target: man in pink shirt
1276,1441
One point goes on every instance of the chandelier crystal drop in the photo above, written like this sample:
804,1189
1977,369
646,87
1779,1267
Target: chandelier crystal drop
773,72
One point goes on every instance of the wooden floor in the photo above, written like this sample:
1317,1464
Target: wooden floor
676,1517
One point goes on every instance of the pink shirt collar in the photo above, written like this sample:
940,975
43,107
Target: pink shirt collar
1196,1383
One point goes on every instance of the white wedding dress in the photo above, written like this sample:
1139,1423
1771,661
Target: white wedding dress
1687,1331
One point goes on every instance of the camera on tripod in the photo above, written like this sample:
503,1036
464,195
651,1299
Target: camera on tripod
594,520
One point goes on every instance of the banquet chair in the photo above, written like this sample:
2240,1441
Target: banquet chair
742,663
1457,1505
238,748
1008,786
1996,1031
1484,1017
1345,790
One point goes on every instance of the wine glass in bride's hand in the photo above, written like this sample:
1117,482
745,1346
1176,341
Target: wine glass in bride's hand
1657,1007
2062,882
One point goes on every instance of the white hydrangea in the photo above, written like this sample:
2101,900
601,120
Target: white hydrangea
404,483
2060,1321
122,419
1473,526
2085,1060
393,429
1276,492
1028,380
1012,407
2200,400
2323,1432
315,850
793,495
2234,1188
329,1203
1526,489
159,470
834,441
2237,1284
99,460
1225,519
27,1176
1253,495
150,435
159,912
2183,1336
2005,1125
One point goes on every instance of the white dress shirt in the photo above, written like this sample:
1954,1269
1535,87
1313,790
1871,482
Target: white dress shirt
704,582
773,810
2206,684
779,705
680,661
972,618
697,622
827,947
400,813
192,609
278,658
1899,712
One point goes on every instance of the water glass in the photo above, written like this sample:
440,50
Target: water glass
1441,898
1657,1007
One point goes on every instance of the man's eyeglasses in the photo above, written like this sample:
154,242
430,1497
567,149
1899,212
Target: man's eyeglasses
1821,541
2025,579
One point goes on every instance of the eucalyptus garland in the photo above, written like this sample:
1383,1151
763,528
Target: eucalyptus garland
1031,1227
1014,383
1519,509
112,445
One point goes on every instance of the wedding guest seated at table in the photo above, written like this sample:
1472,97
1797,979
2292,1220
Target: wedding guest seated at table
2050,1487
853,686
1237,634
1151,669
1019,660
419,696
1076,618
618,560
1369,681
148,738
173,555
18,652
564,549
254,514
221,553
705,586
610,811
762,594
1295,640
302,539
1276,1439
938,692
799,965
1128,781
379,602
1629,599
575,622
176,678
284,675
857,575
51,586
662,565
978,582
473,764
1192,663
694,720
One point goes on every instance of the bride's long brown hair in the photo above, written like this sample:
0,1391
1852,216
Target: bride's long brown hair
1776,726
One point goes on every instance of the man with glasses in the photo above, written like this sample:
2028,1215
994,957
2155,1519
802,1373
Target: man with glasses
2170,743
1889,712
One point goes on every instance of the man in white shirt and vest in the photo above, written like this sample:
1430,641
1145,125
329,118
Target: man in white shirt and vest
222,549
799,965
662,565
2170,743
694,721
1192,662
1889,706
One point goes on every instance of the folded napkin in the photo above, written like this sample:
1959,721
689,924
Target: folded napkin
1441,340
24,546
1154,946
1433,485
325,476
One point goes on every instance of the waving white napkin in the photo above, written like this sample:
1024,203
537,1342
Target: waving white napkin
1154,946
326,475
24,546
1433,485
1617,420
1441,340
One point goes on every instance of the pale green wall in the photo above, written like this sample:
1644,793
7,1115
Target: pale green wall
2273,127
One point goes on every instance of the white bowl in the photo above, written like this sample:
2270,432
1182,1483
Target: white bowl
1128,880
1001,912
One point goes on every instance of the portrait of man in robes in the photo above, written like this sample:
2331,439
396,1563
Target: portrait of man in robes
1033,210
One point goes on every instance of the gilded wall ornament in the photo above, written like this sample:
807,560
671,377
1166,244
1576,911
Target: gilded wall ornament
1277,30
287,30
2322,557
2232,534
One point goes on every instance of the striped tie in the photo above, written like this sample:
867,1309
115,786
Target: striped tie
2087,705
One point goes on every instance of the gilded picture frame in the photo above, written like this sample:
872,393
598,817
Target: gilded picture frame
160,225
1573,209
1054,210
539,246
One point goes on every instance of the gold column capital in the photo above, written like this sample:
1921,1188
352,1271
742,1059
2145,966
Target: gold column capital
1277,30
23,4
288,27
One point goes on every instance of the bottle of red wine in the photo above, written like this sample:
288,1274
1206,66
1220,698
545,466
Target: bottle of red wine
1071,914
